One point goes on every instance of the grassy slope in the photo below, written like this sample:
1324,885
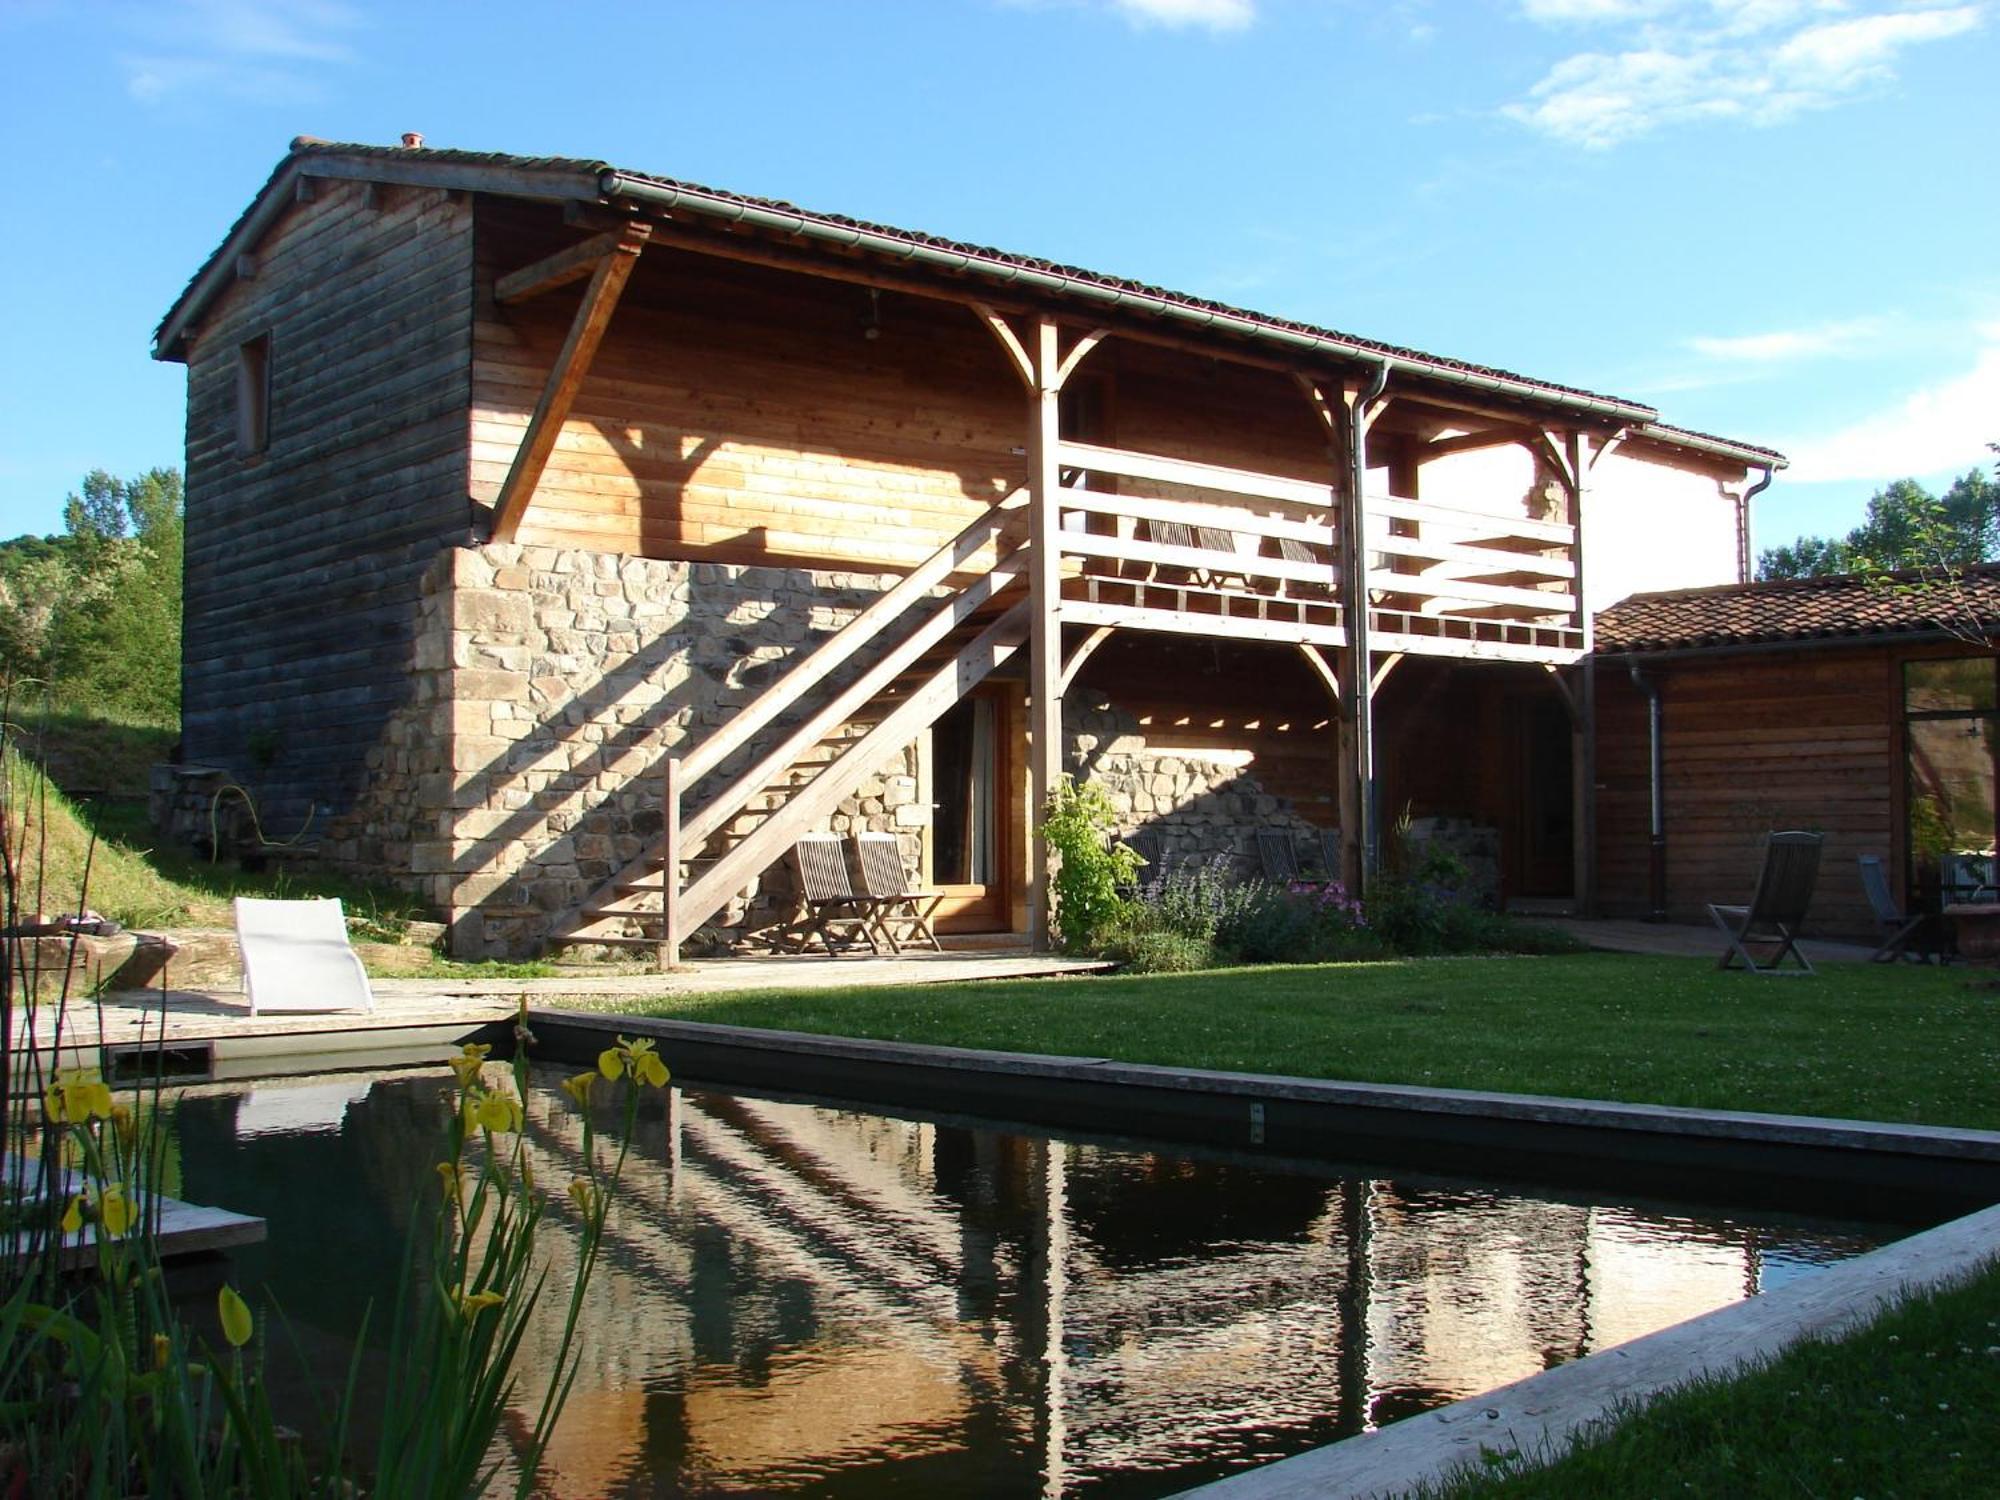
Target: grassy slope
134,878
1862,1041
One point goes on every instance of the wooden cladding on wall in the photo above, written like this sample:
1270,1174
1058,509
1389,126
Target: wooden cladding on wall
745,414
303,559
742,414
1754,743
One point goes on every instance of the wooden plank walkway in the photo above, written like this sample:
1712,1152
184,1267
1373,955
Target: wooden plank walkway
185,1229
449,1007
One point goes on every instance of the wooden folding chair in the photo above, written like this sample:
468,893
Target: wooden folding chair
884,882
829,896
1902,934
1776,911
1331,856
1279,855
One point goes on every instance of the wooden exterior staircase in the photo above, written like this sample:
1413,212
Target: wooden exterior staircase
957,639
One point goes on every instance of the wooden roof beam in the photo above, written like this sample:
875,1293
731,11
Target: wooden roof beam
1469,442
571,263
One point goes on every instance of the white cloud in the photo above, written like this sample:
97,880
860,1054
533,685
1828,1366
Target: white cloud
1789,343
1561,12
1757,61
261,51
1941,428
1215,15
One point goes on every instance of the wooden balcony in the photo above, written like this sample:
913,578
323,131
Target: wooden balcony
1254,556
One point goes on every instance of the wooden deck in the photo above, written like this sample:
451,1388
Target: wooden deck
185,1229
420,1012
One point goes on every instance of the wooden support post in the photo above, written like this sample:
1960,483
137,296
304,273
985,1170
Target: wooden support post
1347,422
1043,368
1045,735
1347,786
668,952
586,332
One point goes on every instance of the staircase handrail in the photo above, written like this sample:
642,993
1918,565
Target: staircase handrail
953,611
709,891
985,531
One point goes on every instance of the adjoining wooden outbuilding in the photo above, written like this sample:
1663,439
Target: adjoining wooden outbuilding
1866,709
571,539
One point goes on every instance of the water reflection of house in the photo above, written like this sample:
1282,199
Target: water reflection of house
790,1291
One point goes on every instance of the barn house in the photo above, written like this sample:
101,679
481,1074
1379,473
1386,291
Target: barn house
571,539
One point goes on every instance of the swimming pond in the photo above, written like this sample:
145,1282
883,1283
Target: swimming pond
803,1298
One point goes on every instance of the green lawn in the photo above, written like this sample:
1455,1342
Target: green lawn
1904,1408
1862,1041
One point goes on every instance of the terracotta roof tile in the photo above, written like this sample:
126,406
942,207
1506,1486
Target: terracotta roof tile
1843,607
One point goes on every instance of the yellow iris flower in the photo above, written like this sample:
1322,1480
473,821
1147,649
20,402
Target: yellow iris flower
578,1088
237,1324
76,1096
116,1212
471,1058
478,1302
72,1219
498,1112
634,1055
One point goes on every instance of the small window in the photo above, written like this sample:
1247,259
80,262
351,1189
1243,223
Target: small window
253,395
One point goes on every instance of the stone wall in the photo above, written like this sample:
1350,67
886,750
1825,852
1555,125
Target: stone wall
1198,804
547,687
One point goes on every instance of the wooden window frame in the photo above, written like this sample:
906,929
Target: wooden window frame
253,396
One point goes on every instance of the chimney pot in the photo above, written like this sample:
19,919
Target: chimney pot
413,138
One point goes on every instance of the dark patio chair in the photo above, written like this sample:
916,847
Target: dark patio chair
1145,843
1292,550
829,896
884,882
1776,911
1211,539
1904,936
1330,854
1278,853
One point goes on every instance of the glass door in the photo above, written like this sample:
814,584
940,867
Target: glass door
970,765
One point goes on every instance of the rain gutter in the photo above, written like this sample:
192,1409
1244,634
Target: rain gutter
667,197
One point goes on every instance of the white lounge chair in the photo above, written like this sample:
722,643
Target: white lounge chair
296,957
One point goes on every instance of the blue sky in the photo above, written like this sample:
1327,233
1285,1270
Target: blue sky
1772,219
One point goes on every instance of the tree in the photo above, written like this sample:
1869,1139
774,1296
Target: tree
1906,528
96,612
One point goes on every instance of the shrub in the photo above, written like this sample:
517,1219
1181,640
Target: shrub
1078,823
1264,922
1191,899
1156,952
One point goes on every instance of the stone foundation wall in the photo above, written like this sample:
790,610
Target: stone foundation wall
547,687
1199,804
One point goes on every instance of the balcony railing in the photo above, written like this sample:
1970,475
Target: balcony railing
1257,556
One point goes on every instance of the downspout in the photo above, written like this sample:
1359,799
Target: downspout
1656,861
1354,602
1743,522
